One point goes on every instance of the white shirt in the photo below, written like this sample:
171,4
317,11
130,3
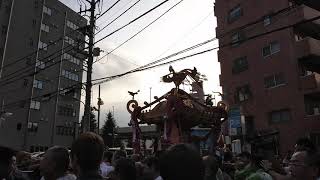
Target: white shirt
159,178
105,169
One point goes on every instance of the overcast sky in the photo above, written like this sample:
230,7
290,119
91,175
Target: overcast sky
189,23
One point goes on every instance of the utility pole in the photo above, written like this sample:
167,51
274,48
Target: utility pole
87,109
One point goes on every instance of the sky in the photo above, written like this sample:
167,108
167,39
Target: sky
189,23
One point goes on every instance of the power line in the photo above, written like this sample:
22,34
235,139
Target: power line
140,31
50,44
108,9
142,68
186,34
280,11
132,21
106,79
33,73
213,39
118,17
120,9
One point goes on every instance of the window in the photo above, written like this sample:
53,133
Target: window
64,131
243,93
1,1
70,75
45,28
312,104
237,38
32,127
31,42
279,116
272,48
4,29
274,80
42,46
36,4
239,65
47,10
34,23
299,37
35,105
304,71
40,64
267,21
38,84
315,138
72,25
71,59
235,14
19,126
66,111
69,40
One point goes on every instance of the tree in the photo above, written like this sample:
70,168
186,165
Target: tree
108,130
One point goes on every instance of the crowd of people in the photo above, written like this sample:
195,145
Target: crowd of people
89,160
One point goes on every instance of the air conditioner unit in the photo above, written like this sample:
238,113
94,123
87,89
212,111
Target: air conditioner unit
316,111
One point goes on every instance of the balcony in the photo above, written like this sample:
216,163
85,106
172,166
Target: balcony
308,54
310,83
312,105
315,4
311,29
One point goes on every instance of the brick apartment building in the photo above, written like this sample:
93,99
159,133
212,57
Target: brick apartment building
38,121
271,78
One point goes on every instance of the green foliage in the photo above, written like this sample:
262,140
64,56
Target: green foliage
108,130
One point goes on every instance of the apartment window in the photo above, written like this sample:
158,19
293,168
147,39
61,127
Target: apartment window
239,65
274,80
69,40
38,84
279,116
19,127
70,75
4,29
45,28
66,111
47,10
34,23
303,71
235,14
40,64
43,46
36,4
267,21
32,127
299,37
272,48
315,138
237,38
1,1
72,25
35,105
64,131
312,104
243,93
71,59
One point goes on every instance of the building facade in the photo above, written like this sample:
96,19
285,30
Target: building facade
41,54
270,77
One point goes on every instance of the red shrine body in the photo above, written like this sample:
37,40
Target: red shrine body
177,111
